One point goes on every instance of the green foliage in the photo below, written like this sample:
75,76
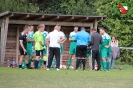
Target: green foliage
17,6
121,27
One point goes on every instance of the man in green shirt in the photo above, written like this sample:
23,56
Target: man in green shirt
39,44
30,43
73,44
104,50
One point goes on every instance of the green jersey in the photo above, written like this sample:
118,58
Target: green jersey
38,37
30,36
44,34
105,41
71,36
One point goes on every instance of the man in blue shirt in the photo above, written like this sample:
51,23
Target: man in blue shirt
83,39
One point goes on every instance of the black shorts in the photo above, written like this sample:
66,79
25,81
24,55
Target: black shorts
22,51
81,51
39,52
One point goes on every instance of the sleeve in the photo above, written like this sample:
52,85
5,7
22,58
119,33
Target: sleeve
92,40
20,38
108,37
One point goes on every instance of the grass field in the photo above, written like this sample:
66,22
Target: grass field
16,78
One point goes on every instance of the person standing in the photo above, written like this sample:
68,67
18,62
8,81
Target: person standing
39,44
115,51
43,58
72,49
105,50
30,44
83,39
22,46
55,38
96,40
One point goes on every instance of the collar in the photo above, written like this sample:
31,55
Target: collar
55,31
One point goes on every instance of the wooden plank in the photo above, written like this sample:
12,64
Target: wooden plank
50,23
24,17
17,44
2,41
95,23
5,37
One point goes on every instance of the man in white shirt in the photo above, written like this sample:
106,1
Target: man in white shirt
55,38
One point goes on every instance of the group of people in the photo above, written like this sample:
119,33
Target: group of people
82,45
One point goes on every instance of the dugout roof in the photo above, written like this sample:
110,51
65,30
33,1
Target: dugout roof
50,17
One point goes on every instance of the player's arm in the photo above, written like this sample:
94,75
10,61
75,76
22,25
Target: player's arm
28,39
109,39
62,39
21,43
92,41
70,38
47,39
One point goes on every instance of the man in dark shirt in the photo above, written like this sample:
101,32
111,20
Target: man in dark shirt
22,46
96,40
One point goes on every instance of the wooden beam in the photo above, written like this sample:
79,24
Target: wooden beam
23,17
39,18
54,18
10,15
5,37
83,19
50,23
95,24
72,18
17,44
2,42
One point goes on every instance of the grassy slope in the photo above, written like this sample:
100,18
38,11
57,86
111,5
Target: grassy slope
15,78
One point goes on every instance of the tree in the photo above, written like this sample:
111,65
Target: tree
17,6
119,26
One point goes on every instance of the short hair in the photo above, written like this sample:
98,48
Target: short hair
106,30
102,28
25,27
93,29
82,27
30,25
75,26
58,25
40,25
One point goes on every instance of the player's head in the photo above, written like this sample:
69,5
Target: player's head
82,28
41,27
25,29
114,37
76,28
102,31
93,30
31,27
58,27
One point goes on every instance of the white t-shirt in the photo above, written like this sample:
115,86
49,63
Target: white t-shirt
54,36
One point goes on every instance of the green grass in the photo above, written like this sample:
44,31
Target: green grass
16,78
